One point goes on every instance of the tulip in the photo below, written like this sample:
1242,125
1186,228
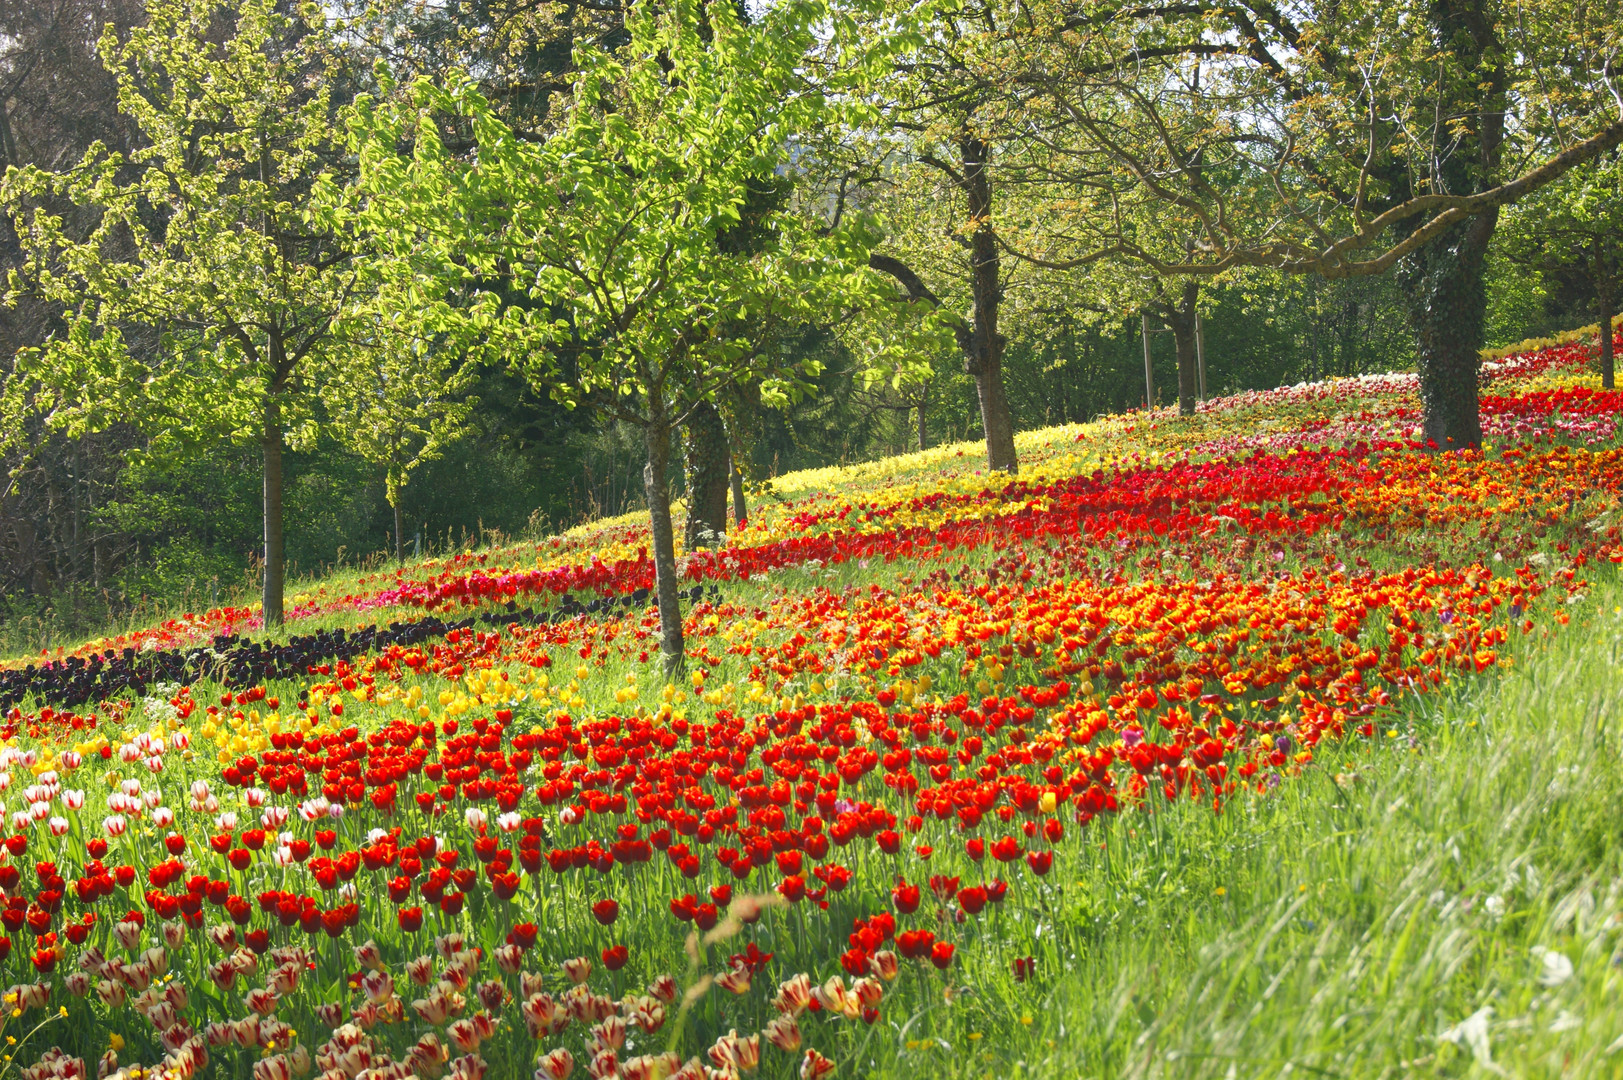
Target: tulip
464,1035
649,1016
542,1016
815,1066
128,935
664,988
834,997
509,958
378,986
610,1032
793,995
783,1033
736,980
432,1009
556,1065
884,964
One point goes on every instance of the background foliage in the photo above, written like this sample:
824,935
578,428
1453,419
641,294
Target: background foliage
91,532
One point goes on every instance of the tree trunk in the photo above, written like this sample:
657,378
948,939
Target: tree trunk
996,420
1188,377
740,510
1180,319
982,344
1443,286
656,488
1442,282
399,538
271,445
708,462
1603,294
924,443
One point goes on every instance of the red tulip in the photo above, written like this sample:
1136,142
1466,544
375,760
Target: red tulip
1006,850
972,898
915,943
606,911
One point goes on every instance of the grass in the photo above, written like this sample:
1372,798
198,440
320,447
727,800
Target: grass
1446,902
1442,900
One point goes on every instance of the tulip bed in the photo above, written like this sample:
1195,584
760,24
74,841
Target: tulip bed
488,838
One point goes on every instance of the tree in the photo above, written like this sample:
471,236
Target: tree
1174,304
1337,139
945,153
202,233
399,404
708,464
619,227
1575,227
711,474
56,99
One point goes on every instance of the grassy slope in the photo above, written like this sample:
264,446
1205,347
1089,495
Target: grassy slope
1341,925
1386,916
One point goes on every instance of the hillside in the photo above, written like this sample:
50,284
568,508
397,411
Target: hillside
1255,741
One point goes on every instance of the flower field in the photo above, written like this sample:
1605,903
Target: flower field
458,825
